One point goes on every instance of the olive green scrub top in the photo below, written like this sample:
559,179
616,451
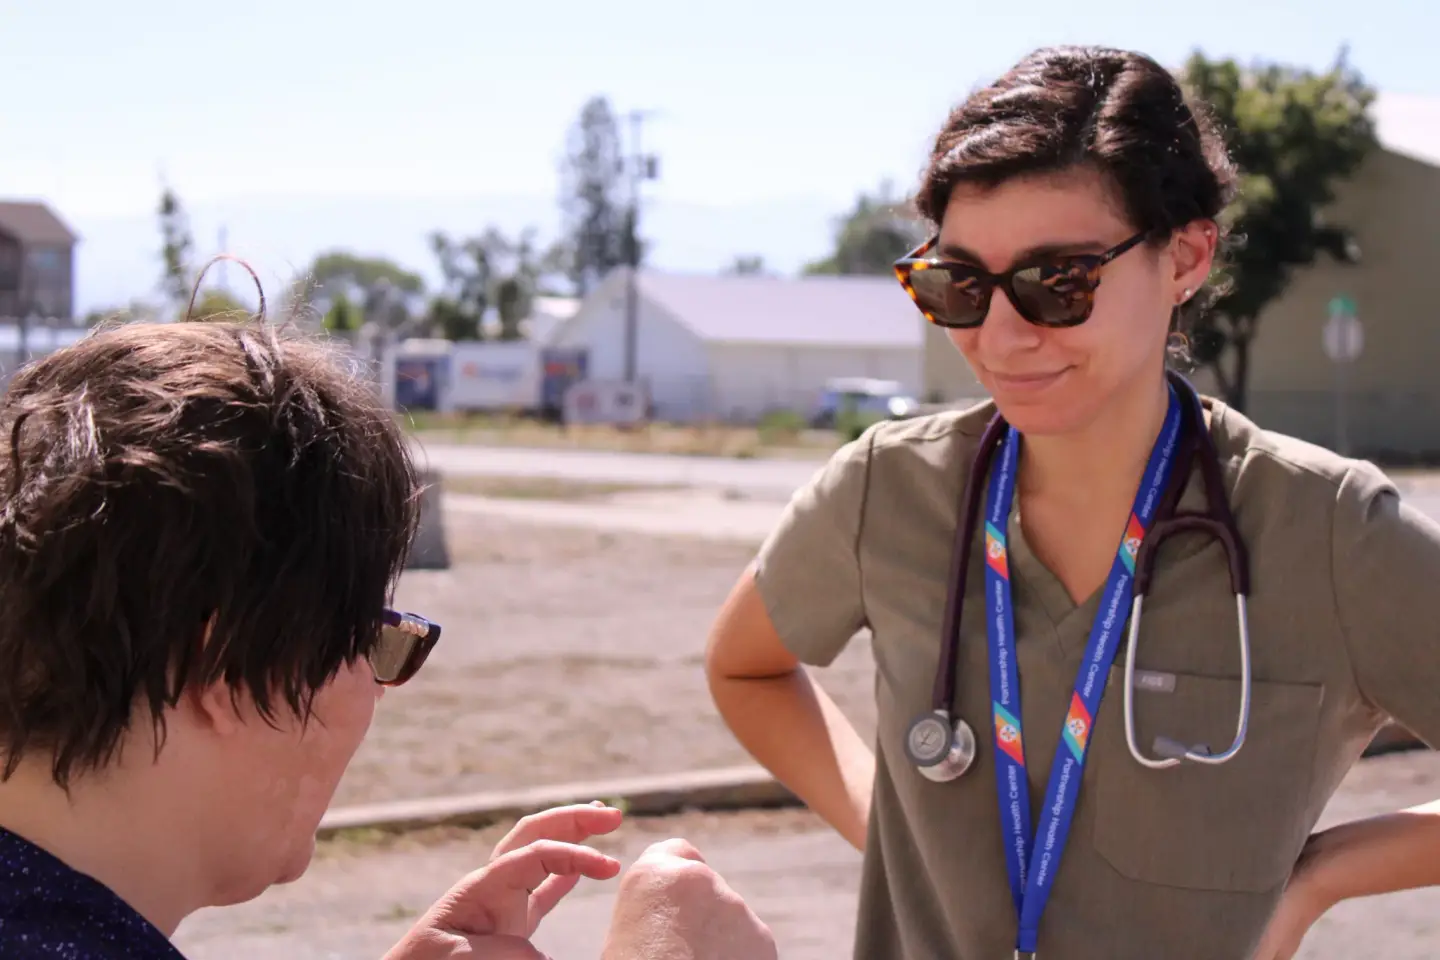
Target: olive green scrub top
1187,862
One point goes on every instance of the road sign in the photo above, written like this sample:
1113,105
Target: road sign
1343,337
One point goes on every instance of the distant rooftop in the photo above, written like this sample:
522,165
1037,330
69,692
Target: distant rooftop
548,314
835,311
33,222
1409,124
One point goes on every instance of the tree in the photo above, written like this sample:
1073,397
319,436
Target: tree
342,317
871,237
338,276
341,272
137,311
488,272
176,249
746,265
218,304
458,312
599,226
1295,135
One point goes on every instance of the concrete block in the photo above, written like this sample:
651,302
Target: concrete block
430,550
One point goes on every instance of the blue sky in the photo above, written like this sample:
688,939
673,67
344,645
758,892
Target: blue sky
311,124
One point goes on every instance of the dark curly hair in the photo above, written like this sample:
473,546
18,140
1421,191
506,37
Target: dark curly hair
1114,111
159,479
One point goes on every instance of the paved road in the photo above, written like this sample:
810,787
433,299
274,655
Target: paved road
776,478
761,479
661,513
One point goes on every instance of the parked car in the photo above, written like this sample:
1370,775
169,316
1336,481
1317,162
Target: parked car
864,398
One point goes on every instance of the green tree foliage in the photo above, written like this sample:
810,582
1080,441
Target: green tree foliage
599,230
1295,135
490,273
217,304
341,272
342,317
353,289
875,233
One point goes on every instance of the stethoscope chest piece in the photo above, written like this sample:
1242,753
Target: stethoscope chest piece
941,750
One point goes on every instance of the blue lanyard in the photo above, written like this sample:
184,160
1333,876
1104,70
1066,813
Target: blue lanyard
1032,871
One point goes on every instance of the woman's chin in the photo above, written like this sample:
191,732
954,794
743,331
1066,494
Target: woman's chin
1040,416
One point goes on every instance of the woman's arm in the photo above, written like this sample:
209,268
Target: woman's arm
1385,568
1384,854
783,718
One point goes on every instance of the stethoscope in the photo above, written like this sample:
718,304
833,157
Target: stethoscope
943,747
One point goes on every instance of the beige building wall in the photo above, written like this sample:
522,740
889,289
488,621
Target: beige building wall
1393,205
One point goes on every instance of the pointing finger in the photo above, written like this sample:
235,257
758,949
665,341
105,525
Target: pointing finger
527,868
570,824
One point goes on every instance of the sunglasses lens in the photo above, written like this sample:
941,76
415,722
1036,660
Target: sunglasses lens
392,653
952,295
405,641
1058,294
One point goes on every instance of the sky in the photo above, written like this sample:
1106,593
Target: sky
314,124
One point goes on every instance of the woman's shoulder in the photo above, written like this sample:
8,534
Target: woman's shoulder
940,438
930,451
1261,462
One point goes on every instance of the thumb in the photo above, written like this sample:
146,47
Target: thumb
548,895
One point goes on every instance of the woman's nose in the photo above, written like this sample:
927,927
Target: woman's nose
1004,330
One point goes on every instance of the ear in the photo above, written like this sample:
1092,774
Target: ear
1192,251
213,706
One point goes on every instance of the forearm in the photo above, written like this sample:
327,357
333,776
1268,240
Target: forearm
1385,854
793,728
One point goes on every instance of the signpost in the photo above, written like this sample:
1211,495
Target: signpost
1343,338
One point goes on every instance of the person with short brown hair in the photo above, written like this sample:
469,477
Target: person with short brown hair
200,527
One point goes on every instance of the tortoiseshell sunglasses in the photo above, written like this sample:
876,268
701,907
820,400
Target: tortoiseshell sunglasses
1050,292
405,641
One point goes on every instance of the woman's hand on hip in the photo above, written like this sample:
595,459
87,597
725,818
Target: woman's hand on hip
1304,902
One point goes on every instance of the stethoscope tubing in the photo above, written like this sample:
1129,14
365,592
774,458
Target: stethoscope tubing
1218,522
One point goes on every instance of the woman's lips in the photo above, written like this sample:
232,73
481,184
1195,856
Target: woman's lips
1026,382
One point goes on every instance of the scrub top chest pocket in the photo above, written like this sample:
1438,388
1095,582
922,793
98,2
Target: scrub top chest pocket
1236,827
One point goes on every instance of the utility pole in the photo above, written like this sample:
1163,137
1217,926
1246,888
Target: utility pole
641,168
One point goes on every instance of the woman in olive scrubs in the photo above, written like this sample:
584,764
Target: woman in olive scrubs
1076,204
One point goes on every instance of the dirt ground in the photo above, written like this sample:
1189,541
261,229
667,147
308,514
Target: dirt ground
567,654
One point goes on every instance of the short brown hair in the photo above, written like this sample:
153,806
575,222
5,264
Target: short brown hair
1114,111
159,478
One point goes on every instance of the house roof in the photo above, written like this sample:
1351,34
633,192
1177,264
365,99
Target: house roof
32,222
548,315
1409,124
835,311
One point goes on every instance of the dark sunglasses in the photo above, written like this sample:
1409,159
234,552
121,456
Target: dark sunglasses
405,641
1052,292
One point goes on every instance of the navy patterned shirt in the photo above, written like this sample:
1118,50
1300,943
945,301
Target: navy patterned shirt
51,912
